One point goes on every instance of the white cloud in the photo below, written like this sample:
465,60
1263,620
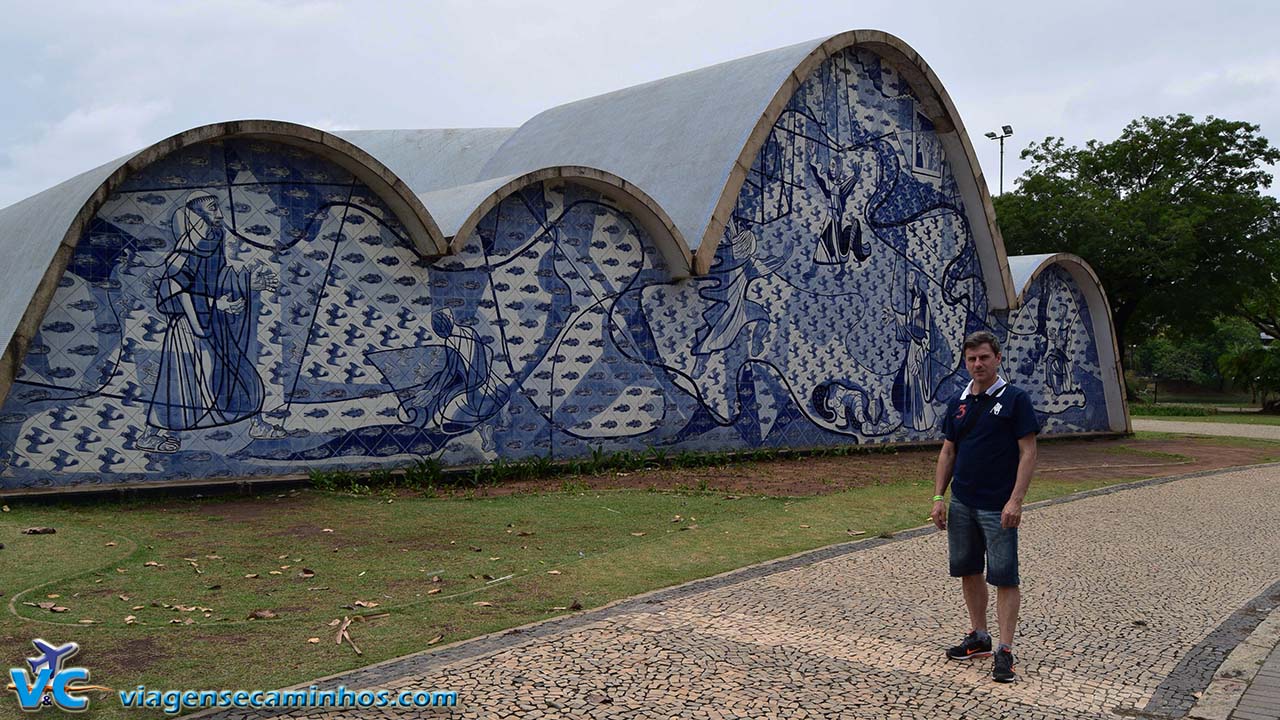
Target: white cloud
84,139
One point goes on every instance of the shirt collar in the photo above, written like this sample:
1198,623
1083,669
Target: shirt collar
999,383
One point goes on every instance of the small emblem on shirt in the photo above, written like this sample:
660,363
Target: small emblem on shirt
996,410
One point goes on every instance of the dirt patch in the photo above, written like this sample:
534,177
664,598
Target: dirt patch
249,509
1085,460
127,658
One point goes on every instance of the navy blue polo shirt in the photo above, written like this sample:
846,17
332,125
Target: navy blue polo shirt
987,458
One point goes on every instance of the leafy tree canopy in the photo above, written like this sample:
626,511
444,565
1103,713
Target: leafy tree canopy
1171,215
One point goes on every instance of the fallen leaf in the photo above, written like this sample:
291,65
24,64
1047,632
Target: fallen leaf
639,534
39,531
121,570
366,603
53,595
251,575
553,572
313,641
111,544
261,615
212,557
285,567
151,563
435,578
856,532
137,607
87,621
281,557
560,607
334,622
130,619
274,572
676,519
123,598
327,530
524,533
804,526
473,548
4,508
730,497
307,573
496,558
433,591
435,640
482,603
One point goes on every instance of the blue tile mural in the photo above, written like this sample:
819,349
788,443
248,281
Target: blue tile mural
243,308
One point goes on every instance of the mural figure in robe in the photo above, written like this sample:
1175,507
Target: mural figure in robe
207,375
926,363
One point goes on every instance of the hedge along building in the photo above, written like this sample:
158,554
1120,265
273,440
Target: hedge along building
779,251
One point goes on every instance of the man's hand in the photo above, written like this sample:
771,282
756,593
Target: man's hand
1011,517
939,514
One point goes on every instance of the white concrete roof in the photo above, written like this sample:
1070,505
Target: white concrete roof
430,160
679,136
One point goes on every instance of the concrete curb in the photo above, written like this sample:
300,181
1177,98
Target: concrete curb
1235,674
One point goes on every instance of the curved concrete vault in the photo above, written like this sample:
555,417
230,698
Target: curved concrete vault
782,250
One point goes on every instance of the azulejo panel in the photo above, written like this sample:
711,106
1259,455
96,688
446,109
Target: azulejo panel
244,308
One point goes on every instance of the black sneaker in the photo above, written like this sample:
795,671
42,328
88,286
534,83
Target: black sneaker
971,647
1002,669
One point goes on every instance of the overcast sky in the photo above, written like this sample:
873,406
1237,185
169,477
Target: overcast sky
85,82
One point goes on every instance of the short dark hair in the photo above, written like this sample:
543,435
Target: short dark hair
980,338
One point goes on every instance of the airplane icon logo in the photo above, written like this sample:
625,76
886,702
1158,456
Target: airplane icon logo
52,657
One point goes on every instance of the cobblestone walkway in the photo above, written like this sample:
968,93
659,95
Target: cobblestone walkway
1131,599
1266,432
1262,700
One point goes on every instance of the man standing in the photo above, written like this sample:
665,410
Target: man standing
988,457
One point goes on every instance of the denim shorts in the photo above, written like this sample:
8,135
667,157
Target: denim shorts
975,535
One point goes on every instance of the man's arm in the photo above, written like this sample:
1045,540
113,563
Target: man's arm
941,479
1012,515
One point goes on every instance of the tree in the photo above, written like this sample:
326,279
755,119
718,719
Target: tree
1263,308
1255,369
1171,215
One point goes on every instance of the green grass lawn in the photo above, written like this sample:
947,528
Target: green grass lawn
158,592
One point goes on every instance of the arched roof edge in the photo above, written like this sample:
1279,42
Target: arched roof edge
663,229
941,111
85,194
1030,267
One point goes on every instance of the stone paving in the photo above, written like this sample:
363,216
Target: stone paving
1131,600
1262,700
1265,432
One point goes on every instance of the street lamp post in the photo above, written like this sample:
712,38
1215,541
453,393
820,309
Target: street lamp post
1005,131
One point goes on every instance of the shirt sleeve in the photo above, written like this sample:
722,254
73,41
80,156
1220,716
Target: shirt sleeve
1025,421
